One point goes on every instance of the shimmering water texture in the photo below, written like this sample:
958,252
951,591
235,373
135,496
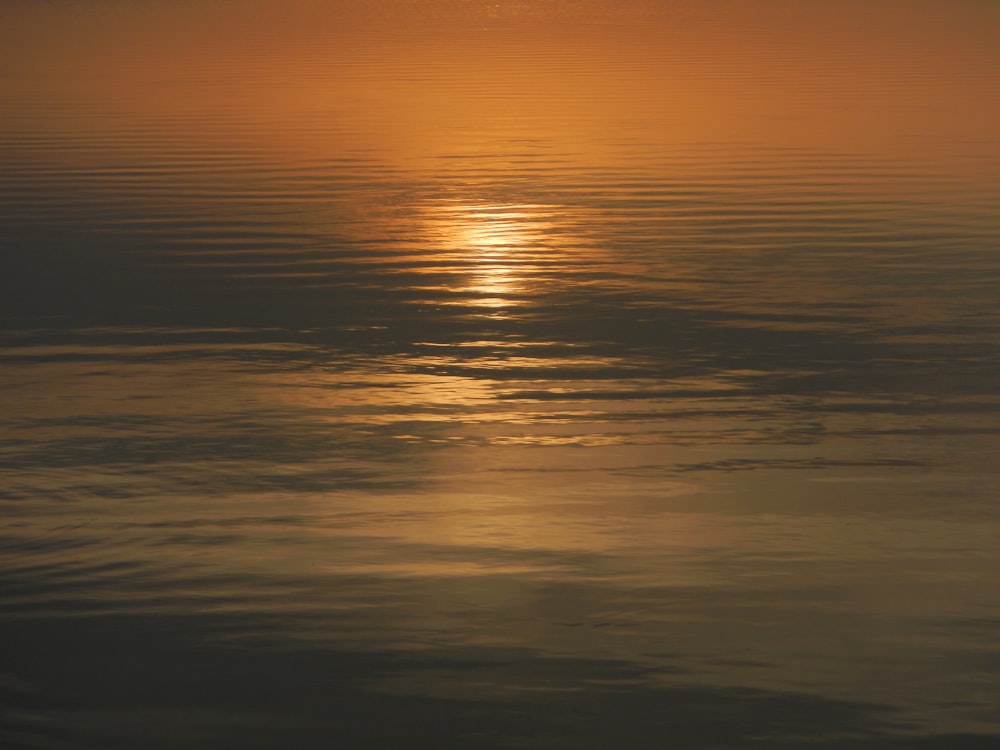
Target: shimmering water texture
446,375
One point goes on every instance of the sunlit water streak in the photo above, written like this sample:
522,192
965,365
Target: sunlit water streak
500,375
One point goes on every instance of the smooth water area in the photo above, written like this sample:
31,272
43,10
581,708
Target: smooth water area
494,374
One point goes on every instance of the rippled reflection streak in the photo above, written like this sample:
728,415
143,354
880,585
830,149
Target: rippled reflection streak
503,250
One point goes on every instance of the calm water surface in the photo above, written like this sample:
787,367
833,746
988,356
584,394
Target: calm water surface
466,374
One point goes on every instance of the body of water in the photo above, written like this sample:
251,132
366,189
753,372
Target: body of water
569,375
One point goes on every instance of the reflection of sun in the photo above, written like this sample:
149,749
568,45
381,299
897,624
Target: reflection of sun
497,245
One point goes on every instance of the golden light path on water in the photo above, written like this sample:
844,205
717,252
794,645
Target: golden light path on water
502,247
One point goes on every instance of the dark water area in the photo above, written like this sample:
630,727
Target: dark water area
466,374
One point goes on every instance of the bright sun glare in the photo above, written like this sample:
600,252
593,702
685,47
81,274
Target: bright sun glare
499,245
